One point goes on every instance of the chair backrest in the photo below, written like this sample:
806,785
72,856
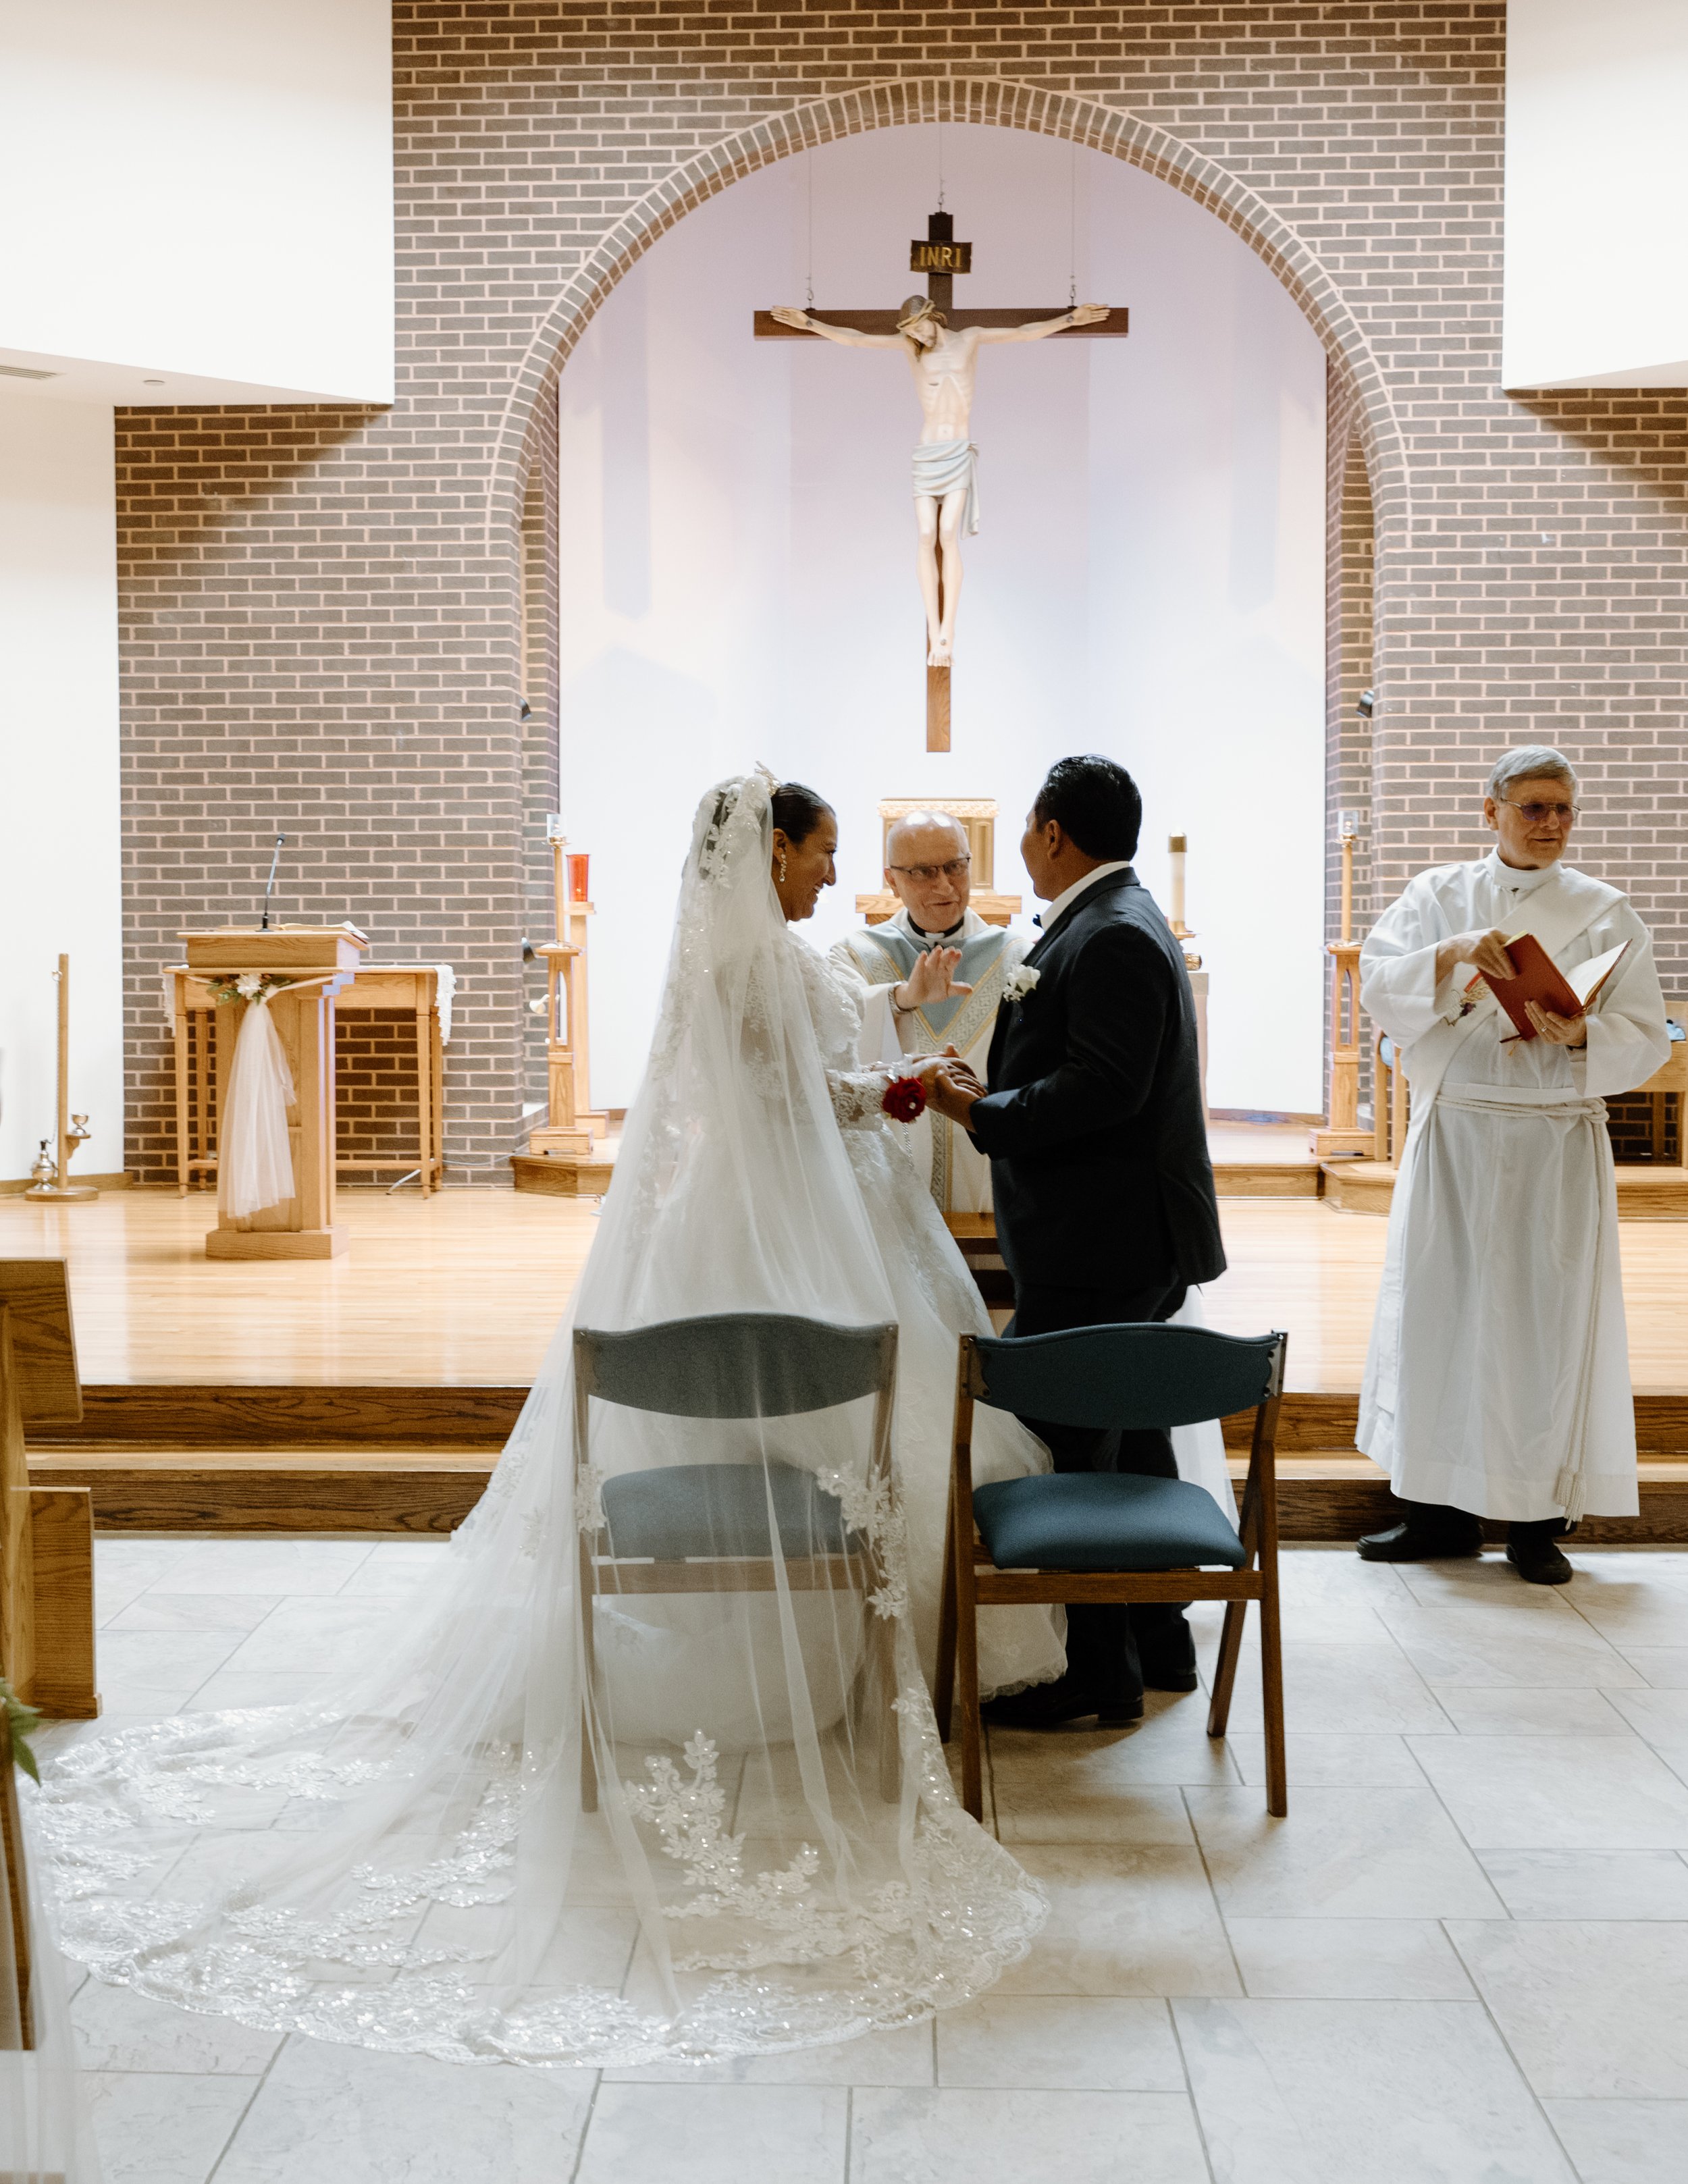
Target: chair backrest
1133,1375
736,1365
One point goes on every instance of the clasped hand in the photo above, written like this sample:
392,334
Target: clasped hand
950,1087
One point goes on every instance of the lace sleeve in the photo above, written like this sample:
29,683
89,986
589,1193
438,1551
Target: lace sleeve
856,1097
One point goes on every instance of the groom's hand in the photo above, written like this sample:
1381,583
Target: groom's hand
952,1092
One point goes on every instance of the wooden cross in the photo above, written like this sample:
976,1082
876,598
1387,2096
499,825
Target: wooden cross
941,258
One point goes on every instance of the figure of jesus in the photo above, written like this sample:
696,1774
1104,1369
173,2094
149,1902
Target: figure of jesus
943,360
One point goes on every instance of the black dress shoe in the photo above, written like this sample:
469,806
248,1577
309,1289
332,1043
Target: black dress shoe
1048,1706
1409,1542
1531,1550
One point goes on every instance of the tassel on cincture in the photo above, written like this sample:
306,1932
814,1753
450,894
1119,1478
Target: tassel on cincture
1571,1495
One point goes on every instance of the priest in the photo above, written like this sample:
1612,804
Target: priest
937,971
1497,1384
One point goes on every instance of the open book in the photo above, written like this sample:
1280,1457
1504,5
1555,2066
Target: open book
1540,979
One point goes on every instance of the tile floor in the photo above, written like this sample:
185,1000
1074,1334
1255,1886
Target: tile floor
1462,1959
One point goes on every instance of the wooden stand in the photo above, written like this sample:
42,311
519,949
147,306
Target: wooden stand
61,1190
46,1534
412,986
565,1159
318,962
1342,1132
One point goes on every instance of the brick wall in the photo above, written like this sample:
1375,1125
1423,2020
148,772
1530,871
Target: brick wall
323,609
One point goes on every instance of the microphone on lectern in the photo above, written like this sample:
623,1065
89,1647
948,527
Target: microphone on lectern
270,888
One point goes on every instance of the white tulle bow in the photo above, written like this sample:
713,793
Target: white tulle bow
255,1157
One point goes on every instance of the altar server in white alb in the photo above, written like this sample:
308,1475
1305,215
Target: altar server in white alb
939,974
1498,1380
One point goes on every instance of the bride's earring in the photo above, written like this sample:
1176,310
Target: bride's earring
781,864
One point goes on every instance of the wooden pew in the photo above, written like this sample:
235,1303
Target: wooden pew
47,1534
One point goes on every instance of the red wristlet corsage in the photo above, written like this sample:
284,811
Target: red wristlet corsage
905,1099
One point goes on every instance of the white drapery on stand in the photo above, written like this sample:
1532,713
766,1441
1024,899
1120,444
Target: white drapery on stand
256,1154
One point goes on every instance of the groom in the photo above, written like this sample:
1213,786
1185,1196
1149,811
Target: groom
1098,1147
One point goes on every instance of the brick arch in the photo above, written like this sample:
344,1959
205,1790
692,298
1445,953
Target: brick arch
1359,380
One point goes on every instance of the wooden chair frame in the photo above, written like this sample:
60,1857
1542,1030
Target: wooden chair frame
971,1581
17,1886
600,1572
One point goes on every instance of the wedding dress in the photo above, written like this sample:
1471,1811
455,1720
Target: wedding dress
416,1864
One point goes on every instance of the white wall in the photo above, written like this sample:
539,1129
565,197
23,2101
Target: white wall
1596,273
200,190
59,778
738,560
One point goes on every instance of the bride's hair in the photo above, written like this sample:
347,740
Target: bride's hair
797,812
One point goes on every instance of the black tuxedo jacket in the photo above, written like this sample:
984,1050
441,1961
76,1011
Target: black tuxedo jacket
1094,1126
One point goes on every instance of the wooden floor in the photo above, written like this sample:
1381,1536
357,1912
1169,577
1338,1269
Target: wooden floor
465,1289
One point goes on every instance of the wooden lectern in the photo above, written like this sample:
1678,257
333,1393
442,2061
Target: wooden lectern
317,962
47,1534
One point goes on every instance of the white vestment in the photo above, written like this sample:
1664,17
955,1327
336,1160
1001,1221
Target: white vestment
1498,1376
885,954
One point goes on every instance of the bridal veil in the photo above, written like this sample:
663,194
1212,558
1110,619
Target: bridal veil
735,1832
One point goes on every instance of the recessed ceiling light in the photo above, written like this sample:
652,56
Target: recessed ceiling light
151,382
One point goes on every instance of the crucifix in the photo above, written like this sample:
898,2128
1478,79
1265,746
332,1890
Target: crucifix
941,344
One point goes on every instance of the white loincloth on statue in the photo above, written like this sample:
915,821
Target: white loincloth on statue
942,467
884,956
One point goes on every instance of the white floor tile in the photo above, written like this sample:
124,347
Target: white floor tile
118,2030
1590,1884
900,2056
1051,2043
1029,1810
274,1566
955,2137
1342,1959
1492,1642
1664,1667
313,1637
232,1688
341,2115
1372,1688
714,2135
1341,1853
1557,1792
1624,2142
163,2129
1170,1746
398,1567
1122,1922
1516,1710
1334,1760
1661,1717
236,1612
156,1671
1333,2092
1592,2010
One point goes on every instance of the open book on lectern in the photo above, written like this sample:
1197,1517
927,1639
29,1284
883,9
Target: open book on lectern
1540,979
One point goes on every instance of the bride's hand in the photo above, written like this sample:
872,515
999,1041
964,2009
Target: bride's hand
929,1066
930,980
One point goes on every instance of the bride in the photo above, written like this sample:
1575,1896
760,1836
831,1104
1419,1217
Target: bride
736,1834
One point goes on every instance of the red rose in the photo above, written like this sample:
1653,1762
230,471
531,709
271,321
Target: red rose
905,1099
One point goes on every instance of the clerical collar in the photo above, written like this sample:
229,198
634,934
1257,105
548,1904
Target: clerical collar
948,934
1519,879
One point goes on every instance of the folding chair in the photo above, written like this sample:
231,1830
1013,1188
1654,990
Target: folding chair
1107,1536
704,1527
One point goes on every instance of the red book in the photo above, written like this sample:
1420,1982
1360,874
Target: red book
1540,979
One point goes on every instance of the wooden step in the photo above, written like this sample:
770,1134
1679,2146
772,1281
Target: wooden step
1267,1178
566,1175
1644,1193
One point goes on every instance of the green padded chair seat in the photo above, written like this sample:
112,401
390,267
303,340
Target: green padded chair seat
691,1509
1103,1520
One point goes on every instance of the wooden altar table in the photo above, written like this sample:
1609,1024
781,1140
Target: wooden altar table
413,986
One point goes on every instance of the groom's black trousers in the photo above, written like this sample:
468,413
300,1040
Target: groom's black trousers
1103,1643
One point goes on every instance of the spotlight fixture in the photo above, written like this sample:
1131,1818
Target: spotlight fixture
1368,705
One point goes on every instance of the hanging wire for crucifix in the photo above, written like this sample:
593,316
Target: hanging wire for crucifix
1073,230
941,166
809,181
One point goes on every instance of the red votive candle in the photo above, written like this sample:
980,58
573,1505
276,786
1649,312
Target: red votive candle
578,889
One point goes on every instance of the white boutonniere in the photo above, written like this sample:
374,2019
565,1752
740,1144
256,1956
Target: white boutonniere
1021,982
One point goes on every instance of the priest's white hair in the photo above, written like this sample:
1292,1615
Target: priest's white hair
1531,762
